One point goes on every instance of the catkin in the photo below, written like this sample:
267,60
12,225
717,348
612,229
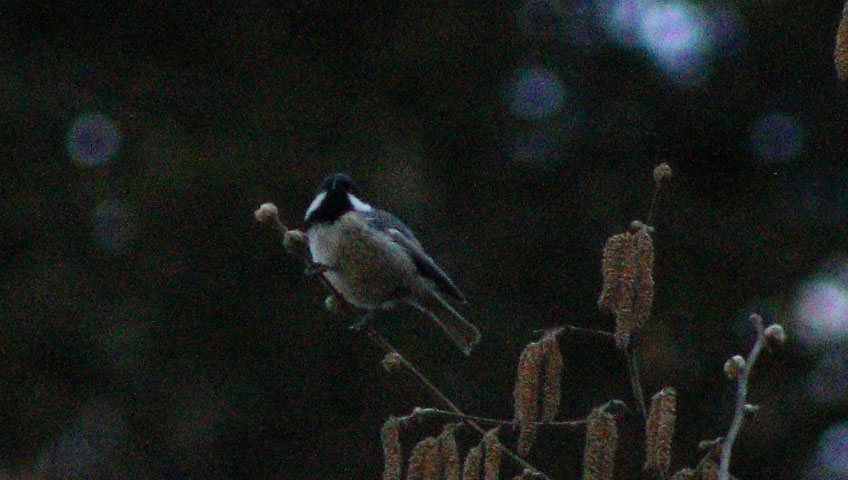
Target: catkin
449,453
615,248
390,434
628,287
492,464
660,430
425,461
552,376
473,465
601,443
840,53
526,395
644,288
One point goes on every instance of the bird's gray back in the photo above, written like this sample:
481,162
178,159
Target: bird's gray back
427,267
383,220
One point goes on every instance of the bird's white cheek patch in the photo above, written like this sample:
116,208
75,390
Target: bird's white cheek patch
314,205
357,204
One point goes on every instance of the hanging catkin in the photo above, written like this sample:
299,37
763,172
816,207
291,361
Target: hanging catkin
449,453
628,287
659,430
526,395
472,468
601,443
390,435
492,464
425,461
552,376
840,52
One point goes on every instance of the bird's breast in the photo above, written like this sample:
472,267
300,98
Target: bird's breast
366,266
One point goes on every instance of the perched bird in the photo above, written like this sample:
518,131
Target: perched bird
375,262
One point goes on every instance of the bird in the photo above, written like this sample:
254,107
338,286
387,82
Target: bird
376,263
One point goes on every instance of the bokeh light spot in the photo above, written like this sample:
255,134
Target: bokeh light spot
821,312
676,37
535,94
621,19
680,37
113,226
93,139
777,137
831,456
671,30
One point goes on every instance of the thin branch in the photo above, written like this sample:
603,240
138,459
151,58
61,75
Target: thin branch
635,383
653,204
559,331
662,174
268,214
494,421
741,398
381,342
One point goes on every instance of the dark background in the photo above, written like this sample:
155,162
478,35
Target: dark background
150,328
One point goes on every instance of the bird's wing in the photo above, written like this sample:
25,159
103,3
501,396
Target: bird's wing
404,237
384,221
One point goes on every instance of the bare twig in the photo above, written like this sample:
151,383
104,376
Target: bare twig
268,214
629,353
635,383
559,331
741,398
662,174
654,197
381,342
494,421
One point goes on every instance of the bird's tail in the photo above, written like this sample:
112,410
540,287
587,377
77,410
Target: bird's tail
462,332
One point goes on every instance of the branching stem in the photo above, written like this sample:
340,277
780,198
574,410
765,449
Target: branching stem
559,331
741,398
381,342
419,412
635,382
654,198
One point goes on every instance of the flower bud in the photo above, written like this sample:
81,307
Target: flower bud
333,304
775,335
266,213
662,173
733,366
392,362
294,241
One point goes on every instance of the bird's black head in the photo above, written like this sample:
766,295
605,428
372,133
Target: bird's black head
335,197
338,182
